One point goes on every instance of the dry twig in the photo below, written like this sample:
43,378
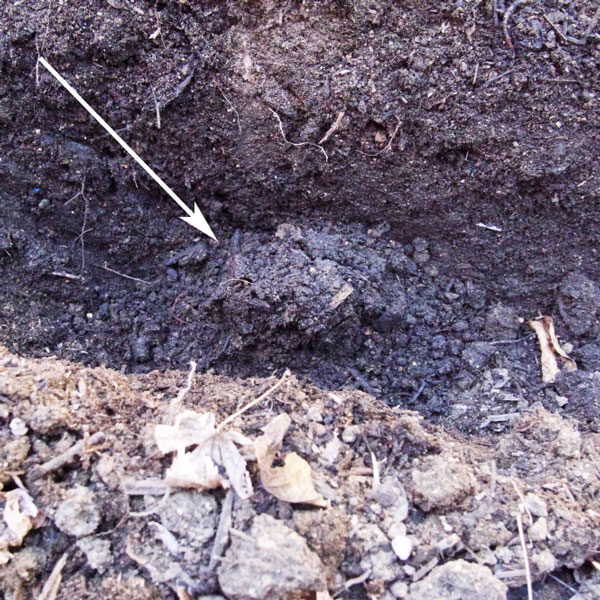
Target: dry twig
77,449
333,128
157,106
254,402
222,534
123,275
522,508
86,207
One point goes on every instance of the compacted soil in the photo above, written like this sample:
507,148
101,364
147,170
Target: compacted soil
397,188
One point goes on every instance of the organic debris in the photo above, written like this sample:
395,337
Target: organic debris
550,348
199,468
20,516
293,481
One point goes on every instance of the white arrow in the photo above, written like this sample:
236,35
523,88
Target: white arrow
195,218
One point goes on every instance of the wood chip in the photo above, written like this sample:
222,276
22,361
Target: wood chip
346,291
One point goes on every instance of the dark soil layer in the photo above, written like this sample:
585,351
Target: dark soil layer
358,262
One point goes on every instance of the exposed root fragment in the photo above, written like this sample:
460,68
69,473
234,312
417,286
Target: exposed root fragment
297,144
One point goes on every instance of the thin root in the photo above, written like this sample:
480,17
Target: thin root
297,144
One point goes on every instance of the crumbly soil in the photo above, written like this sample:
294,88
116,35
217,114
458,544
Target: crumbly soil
395,191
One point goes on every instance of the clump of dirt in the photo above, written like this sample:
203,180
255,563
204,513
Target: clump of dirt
406,502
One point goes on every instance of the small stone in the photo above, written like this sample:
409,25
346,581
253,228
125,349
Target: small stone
274,562
568,442
18,427
421,258
536,505
97,552
409,570
383,565
78,514
539,530
12,454
399,589
402,546
459,580
370,536
561,401
420,244
106,469
448,542
350,434
544,562
504,554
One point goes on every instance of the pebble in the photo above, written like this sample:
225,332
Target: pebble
350,434
568,442
448,542
442,483
402,546
48,419
140,349
18,427
190,514
390,492
539,530
544,562
395,530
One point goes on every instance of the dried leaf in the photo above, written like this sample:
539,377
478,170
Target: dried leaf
189,470
199,468
235,466
190,428
20,515
550,348
293,481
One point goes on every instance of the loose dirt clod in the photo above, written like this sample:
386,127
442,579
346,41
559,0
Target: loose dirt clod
459,580
272,562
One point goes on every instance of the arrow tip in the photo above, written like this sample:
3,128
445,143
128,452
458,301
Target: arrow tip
198,221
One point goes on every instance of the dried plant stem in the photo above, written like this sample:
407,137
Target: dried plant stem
52,585
176,402
254,402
